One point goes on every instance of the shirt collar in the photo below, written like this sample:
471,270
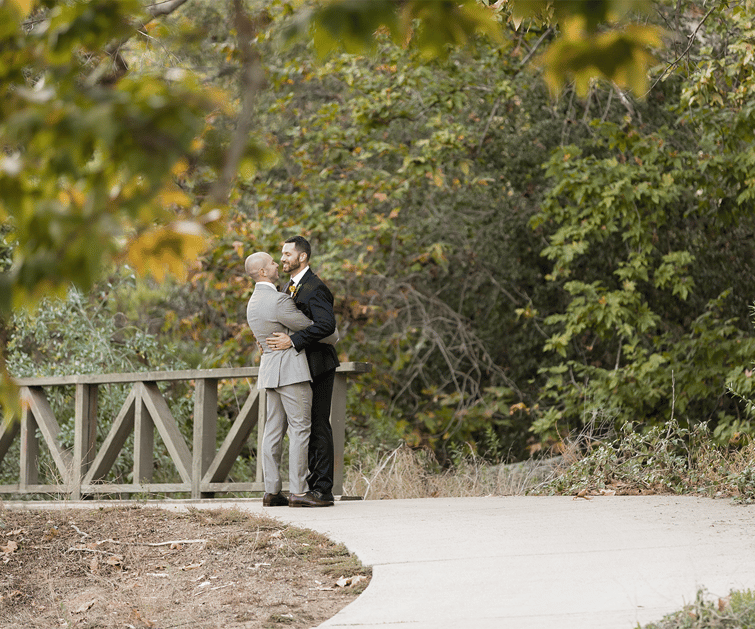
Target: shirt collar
268,283
297,278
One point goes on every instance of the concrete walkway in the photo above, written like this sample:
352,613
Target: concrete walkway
534,562
527,562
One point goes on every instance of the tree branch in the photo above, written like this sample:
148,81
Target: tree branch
690,40
251,83
166,7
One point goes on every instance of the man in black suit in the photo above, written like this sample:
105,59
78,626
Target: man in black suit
315,300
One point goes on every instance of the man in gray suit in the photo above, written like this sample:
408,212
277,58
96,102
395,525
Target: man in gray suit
286,377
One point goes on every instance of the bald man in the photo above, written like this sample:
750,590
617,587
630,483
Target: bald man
285,376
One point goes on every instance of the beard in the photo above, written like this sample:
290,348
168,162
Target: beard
293,267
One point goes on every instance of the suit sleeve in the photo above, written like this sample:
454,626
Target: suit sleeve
290,316
320,303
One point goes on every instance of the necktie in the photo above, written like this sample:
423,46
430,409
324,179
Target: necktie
290,288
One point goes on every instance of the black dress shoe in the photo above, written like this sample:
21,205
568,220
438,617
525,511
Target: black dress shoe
328,496
308,500
274,500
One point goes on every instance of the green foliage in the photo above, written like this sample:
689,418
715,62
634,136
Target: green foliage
735,610
416,181
98,156
597,39
429,180
79,335
382,171
432,27
648,238
667,458
116,147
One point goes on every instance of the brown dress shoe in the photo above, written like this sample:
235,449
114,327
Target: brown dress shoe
308,500
274,500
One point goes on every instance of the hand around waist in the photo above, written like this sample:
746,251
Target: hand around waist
278,341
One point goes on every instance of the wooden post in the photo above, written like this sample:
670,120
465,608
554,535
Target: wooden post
205,432
144,439
29,456
84,436
338,425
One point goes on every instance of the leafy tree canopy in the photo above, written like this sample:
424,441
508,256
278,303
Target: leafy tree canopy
431,169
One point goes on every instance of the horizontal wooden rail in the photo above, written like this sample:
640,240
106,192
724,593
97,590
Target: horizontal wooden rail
203,470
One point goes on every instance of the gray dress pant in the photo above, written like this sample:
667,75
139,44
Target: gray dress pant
289,405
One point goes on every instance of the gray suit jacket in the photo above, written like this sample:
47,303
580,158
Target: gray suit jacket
269,311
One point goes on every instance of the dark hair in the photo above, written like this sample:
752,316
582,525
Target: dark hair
301,244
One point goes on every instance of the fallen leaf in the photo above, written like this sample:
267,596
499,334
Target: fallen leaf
191,566
84,607
138,618
347,581
10,547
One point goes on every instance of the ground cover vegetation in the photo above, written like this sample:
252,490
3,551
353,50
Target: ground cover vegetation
144,567
735,610
513,261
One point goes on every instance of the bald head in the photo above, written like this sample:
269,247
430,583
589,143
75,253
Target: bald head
261,267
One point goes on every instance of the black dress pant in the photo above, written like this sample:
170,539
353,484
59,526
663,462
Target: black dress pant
321,458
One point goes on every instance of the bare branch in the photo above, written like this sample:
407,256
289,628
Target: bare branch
166,7
448,355
252,82
534,48
690,40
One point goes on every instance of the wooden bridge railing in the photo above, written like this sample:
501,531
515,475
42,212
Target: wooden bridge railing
203,469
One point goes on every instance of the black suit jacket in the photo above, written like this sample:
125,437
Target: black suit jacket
315,300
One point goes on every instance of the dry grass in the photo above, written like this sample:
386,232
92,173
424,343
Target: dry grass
408,473
666,459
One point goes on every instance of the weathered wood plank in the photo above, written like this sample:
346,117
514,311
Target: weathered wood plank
233,487
113,444
205,431
338,425
9,430
141,376
162,376
168,429
137,488
29,455
84,435
144,439
37,400
48,490
234,441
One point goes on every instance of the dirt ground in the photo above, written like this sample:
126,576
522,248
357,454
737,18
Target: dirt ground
140,567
